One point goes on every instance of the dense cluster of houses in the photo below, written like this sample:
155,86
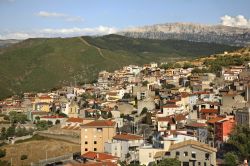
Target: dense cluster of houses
192,114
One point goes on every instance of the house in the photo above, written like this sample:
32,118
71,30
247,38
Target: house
125,146
243,116
94,134
99,157
192,152
209,113
223,128
71,109
148,154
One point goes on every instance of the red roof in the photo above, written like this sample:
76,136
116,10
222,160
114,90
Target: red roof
75,120
209,111
97,164
100,123
197,125
170,106
45,97
127,137
99,156
214,120
52,117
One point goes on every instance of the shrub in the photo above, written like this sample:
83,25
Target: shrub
2,152
23,157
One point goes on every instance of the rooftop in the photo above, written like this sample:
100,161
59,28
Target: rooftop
127,137
100,123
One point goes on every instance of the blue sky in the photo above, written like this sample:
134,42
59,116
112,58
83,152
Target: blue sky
28,18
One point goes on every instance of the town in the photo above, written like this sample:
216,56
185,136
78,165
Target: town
189,113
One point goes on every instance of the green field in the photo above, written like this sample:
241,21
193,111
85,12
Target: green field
44,63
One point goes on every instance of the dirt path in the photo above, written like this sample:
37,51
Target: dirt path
98,49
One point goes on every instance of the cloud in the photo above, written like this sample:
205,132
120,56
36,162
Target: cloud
63,32
63,16
237,21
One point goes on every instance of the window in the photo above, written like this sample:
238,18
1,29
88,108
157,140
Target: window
177,154
199,163
207,156
185,153
205,164
193,155
86,142
99,129
86,149
95,149
150,155
85,129
85,136
167,153
95,142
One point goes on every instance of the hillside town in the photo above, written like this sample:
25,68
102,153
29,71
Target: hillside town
141,115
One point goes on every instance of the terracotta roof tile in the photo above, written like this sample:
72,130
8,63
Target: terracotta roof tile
214,120
125,136
99,156
99,123
209,111
75,120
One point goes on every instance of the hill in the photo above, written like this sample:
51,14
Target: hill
43,63
192,32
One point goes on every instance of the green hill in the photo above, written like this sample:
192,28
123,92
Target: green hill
43,63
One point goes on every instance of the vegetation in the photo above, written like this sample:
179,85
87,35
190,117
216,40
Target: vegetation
43,125
2,153
231,159
23,157
144,111
16,117
39,62
169,162
4,163
239,142
216,65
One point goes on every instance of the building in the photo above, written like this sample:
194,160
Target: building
99,157
94,134
125,146
223,129
243,116
192,153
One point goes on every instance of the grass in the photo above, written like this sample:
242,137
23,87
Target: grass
42,64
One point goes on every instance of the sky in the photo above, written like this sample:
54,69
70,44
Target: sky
22,19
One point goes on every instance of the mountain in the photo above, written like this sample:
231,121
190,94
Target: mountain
40,64
6,43
192,32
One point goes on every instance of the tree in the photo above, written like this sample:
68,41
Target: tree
145,83
42,125
57,121
23,157
37,118
11,131
50,123
144,111
169,162
187,65
3,133
2,153
230,159
148,119
110,114
16,117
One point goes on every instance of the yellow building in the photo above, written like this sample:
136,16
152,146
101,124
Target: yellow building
95,134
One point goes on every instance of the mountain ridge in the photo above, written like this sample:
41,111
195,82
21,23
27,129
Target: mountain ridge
192,32
40,64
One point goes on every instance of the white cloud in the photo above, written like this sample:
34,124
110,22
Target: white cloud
63,16
237,21
50,14
63,32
